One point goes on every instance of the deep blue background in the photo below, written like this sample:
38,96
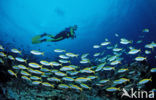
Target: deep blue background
20,20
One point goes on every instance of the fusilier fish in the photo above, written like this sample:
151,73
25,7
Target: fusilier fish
68,79
45,63
72,73
96,54
140,58
100,67
105,43
153,70
35,71
34,65
35,52
11,57
134,51
36,82
16,51
84,61
2,54
53,63
47,84
63,86
35,78
117,49
1,61
125,41
75,87
85,86
92,77
1,47
115,62
96,46
87,70
122,70
144,81
108,68
66,68
26,78
71,55
147,52
112,89
64,56
84,55
54,79
59,50
146,30
19,59
60,74
82,79
64,61
22,67
12,73
15,67
103,81
25,73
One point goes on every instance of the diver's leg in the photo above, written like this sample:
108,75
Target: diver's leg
46,40
54,39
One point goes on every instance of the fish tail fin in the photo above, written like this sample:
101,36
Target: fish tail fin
25,61
42,53
52,86
80,89
41,80
51,65
150,78
41,66
130,41
3,63
20,52
90,88
70,62
152,48
16,75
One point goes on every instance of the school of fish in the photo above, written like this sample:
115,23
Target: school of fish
62,74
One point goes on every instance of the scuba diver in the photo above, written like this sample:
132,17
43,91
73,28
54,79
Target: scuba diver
67,33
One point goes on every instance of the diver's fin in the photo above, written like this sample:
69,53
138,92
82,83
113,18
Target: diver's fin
36,38
36,42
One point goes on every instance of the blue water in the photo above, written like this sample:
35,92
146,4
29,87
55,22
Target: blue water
96,20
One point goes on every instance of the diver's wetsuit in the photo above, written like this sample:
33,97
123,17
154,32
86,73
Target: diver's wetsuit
67,33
